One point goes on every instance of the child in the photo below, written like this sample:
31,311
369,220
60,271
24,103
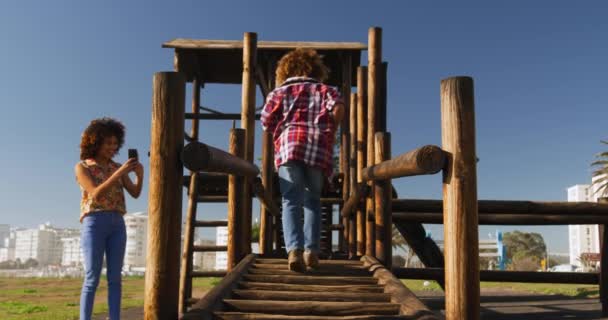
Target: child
303,115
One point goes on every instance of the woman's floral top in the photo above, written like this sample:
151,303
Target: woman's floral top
111,200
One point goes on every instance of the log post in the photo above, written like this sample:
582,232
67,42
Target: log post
185,280
383,206
460,199
603,282
344,138
361,151
373,104
165,196
352,219
267,172
248,121
236,206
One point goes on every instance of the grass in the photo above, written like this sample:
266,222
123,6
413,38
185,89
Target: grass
569,290
59,299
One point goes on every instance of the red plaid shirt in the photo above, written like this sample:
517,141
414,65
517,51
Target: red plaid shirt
298,115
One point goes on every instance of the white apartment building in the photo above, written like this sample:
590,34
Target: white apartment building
39,244
71,253
583,238
7,252
221,239
5,231
204,260
137,230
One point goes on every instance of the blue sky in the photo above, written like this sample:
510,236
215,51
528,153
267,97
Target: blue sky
539,68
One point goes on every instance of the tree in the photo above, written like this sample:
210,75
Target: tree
601,172
524,244
255,232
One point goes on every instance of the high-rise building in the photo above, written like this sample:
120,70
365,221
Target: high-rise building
5,231
221,239
583,238
71,253
137,229
7,253
39,244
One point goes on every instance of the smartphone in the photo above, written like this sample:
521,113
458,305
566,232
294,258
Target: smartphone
133,154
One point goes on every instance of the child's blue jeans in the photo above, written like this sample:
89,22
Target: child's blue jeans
102,232
301,187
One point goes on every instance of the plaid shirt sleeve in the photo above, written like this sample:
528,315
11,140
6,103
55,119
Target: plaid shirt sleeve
332,97
271,113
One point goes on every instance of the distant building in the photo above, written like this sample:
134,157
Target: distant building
204,260
137,230
582,238
5,231
221,239
71,253
38,244
7,252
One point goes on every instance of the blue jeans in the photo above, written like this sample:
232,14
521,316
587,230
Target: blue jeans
300,187
102,232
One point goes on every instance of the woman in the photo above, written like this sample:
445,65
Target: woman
101,209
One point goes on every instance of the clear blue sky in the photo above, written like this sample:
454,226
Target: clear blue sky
539,68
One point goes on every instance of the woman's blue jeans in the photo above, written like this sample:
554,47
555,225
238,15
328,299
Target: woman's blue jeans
301,187
102,232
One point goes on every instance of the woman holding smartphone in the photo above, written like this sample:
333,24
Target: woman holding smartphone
101,209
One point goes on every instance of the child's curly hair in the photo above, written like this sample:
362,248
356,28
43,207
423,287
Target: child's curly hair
97,131
303,63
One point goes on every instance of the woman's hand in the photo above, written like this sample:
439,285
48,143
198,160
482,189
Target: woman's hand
128,166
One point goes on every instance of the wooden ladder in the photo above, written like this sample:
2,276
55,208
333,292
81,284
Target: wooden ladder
340,289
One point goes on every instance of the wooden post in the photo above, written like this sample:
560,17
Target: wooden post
185,280
165,196
352,219
236,206
373,104
267,172
361,151
460,199
603,283
344,138
383,206
248,121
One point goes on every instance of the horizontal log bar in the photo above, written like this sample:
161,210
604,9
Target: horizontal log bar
526,219
507,207
198,156
205,274
209,248
212,199
265,197
503,276
214,116
361,191
210,223
424,160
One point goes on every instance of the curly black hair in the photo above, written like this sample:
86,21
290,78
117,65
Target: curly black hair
97,131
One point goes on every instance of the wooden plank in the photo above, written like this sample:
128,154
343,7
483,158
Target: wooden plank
325,280
310,296
261,45
312,307
428,159
408,303
309,287
209,248
460,199
351,272
265,316
212,301
211,223
165,197
321,262
214,116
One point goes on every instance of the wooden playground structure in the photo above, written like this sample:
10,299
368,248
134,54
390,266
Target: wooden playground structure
356,281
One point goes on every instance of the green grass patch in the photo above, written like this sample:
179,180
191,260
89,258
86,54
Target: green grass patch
17,307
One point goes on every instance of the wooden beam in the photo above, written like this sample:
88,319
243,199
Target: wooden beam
361,152
212,301
265,197
382,203
165,197
428,159
266,238
236,206
198,156
524,219
460,199
409,304
361,191
217,116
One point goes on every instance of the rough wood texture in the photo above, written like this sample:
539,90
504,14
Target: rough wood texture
309,287
198,156
354,201
603,275
361,151
203,309
424,160
264,316
352,165
409,304
303,279
460,199
312,307
382,200
185,282
236,205
165,196
262,45
325,271
503,276
266,226
311,296
265,197
505,218
345,135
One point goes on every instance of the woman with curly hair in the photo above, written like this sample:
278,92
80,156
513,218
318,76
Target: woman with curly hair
101,209
303,115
